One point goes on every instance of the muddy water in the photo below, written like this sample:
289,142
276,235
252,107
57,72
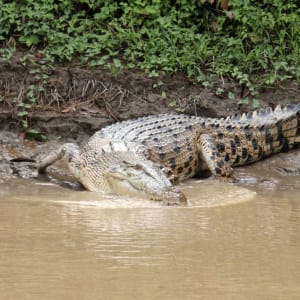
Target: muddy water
232,242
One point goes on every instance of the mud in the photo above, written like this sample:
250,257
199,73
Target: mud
78,101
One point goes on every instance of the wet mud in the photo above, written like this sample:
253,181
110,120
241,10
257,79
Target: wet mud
78,101
279,172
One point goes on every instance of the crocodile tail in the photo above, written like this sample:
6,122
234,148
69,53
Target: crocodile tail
297,112
272,132
290,127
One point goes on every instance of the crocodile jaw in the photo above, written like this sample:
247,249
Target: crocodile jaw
143,178
120,168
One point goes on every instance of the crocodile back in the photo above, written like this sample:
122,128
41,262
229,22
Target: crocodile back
173,140
170,140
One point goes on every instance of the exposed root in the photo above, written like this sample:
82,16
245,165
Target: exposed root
75,92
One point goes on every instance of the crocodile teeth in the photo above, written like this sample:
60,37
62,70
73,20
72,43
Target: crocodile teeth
262,113
249,115
244,117
269,110
236,117
288,108
254,114
278,110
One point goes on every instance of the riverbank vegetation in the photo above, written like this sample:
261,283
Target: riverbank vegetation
255,43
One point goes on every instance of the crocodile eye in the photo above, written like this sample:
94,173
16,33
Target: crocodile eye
138,167
133,166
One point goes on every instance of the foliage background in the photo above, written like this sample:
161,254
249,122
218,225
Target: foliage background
255,42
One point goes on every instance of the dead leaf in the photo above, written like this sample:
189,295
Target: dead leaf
69,109
224,4
230,15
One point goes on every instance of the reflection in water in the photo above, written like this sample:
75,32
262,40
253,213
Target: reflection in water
60,244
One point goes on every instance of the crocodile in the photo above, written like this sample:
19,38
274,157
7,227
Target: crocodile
149,155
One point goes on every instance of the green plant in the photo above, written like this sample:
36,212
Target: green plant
219,91
38,69
33,134
6,54
176,106
255,102
256,43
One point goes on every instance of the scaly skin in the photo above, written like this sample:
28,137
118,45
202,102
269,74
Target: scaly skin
116,167
173,148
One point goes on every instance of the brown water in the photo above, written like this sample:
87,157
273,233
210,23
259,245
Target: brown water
230,243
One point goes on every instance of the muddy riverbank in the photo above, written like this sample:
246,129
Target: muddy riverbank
76,99
80,101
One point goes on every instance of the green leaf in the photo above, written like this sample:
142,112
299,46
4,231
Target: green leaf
147,11
244,101
29,40
36,135
219,91
172,103
117,63
231,95
256,103
22,113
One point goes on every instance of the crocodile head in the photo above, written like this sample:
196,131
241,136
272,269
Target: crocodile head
120,167
143,178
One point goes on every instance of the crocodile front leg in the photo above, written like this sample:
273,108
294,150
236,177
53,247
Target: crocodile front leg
66,151
212,157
